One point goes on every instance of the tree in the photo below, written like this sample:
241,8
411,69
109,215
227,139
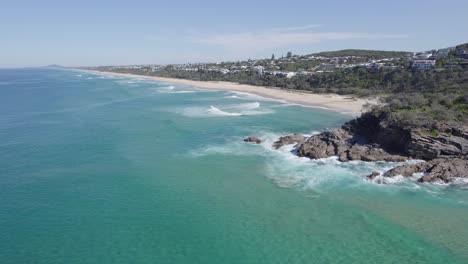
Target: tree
289,54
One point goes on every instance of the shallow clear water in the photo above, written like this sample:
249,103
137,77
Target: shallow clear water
98,169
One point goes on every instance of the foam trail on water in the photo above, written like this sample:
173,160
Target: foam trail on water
172,90
250,96
246,106
218,112
183,92
230,110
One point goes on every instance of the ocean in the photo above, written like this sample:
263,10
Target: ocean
103,169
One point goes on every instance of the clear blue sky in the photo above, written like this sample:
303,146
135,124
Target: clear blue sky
100,32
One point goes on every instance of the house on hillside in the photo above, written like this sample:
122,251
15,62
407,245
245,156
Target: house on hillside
290,75
373,67
259,70
462,53
423,64
442,53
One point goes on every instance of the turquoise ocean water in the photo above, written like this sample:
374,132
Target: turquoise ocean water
100,169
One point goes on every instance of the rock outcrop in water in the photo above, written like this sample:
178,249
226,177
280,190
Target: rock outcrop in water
438,170
255,140
367,138
288,140
345,146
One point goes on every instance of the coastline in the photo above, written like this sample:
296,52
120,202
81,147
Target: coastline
342,104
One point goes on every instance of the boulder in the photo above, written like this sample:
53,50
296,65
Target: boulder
408,170
255,140
445,170
373,175
326,144
288,140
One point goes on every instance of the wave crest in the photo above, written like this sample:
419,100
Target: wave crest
218,112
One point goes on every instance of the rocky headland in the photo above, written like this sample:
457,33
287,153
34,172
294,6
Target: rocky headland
369,138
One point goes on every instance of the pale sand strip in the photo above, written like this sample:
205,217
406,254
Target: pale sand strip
334,102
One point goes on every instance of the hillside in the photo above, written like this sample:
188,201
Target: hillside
374,54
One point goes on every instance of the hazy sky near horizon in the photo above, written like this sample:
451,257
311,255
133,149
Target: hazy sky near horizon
89,33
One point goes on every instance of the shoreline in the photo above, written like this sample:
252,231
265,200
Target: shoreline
343,104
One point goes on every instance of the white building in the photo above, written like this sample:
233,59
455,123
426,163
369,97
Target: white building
290,75
442,53
259,70
423,64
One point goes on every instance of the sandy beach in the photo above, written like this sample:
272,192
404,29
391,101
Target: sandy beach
343,104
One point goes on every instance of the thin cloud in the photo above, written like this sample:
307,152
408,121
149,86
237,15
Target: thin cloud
281,37
286,29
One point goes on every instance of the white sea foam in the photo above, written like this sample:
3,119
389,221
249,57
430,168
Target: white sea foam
246,106
183,92
250,96
218,112
79,75
105,76
460,181
229,110
172,90
164,89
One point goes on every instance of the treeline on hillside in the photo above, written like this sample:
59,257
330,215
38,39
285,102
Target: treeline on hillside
371,54
432,111
355,81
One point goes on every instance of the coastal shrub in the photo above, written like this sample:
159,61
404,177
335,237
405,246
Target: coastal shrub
411,119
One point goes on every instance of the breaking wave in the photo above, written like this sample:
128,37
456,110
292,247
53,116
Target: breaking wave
218,112
246,106
230,110
249,96
172,90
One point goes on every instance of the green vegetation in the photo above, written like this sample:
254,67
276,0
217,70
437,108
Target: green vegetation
373,54
433,112
356,81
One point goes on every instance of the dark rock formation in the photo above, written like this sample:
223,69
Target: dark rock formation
373,175
429,147
325,144
445,170
255,140
368,138
346,145
290,139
